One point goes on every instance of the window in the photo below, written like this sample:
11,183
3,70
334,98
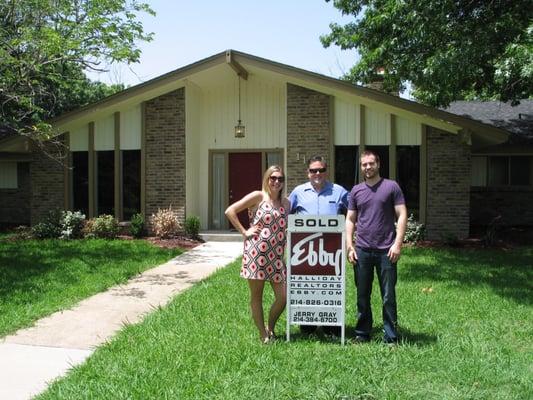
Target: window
80,181
498,171
8,175
408,176
274,158
219,191
105,184
520,173
407,170
502,170
346,166
131,183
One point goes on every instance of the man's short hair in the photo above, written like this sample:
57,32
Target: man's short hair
317,158
367,153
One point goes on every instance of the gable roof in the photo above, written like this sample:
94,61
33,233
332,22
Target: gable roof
518,120
168,82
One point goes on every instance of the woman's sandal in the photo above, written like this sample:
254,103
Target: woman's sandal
271,337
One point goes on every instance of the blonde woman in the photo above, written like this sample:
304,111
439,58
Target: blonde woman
264,245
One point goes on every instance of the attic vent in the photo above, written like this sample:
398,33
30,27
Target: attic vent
527,117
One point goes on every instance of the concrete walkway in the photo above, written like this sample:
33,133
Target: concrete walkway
32,357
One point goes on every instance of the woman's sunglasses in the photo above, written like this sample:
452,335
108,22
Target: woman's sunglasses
279,179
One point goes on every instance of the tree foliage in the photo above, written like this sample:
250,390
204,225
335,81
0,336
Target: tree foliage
447,49
45,47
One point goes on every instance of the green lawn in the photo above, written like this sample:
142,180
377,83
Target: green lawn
39,277
466,317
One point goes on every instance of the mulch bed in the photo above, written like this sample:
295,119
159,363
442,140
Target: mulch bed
179,241
182,242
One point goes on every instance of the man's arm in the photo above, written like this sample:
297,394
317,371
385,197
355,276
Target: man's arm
401,226
293,200
344,200
351,218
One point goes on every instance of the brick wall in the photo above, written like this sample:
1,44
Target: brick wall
448,187
15,209
165,153
308,131
513,204
47,183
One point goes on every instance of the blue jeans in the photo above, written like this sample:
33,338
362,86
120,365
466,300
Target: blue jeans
367,259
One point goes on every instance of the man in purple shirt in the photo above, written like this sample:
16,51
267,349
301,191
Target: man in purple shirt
373,208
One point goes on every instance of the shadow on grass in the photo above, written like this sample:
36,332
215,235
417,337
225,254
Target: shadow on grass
26,265
416,338
508,272
407,336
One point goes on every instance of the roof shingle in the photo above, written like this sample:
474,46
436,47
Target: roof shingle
518,120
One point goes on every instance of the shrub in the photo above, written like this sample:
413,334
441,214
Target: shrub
104,226
415,230
192,226
165,223
137,226
22,232
59,224
71,224
50,227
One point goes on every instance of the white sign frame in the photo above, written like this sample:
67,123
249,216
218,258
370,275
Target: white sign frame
317,299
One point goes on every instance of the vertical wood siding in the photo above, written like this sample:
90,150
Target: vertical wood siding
377,127
104,133
408,133
130,128
79,138
345,123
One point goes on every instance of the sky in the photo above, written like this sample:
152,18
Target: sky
285,31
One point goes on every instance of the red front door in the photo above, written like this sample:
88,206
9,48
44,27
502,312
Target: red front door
245,174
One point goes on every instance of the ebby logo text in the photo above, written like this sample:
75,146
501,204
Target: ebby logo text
304,252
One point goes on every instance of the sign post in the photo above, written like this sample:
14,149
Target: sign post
316,277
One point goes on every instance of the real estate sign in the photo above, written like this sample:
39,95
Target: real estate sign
316,271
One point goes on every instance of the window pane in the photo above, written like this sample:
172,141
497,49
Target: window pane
408,174
498,171
479,171
80,181
383,153
219,191
520,170
105,186
8,175
346,166
274,158
131,181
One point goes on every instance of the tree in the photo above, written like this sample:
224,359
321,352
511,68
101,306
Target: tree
447,49
45,47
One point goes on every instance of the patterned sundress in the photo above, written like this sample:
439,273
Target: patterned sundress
263,255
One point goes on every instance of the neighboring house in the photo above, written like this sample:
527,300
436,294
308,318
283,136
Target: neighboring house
502,174
173,141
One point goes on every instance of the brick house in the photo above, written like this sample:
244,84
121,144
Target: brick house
172,141
501,175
